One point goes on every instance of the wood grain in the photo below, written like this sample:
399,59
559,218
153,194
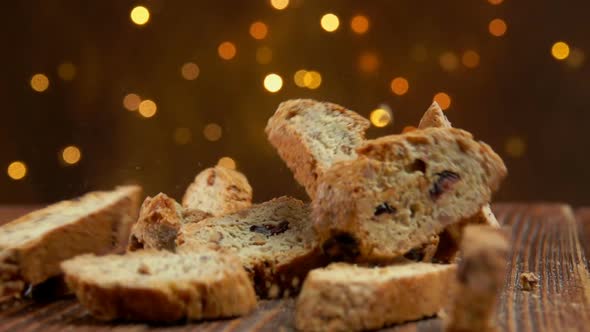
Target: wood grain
548,240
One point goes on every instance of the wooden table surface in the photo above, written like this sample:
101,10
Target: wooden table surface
550,240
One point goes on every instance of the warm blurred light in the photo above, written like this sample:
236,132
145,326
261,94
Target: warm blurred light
263,55
190,71
140,15
312,79
147,108
17,170
448,61
131,102
330,22
560,50
182,136
515,146
497,27
380,117
226,50
273,82
212,132
399,86
258,30
299,78
359,24
71,155
576,58
495,2
368,62
227,162
39,82
443,100
66,71
419,53
279,4
470,59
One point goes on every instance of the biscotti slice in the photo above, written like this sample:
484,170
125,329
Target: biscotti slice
161,286
401,190
274,241
450,239
160,218
33,246
310,136
480,279
218,190
344,297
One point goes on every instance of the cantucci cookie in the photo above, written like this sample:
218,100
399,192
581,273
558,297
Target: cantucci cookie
218,190
33,246
161,286
344,297
310,136
159,220
274,241
480,278
402,190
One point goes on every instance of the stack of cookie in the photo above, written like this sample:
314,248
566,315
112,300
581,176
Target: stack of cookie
377,244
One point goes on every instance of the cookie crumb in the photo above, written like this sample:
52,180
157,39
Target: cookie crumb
528,281
273,292
143,269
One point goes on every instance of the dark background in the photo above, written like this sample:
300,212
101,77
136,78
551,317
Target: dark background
518,92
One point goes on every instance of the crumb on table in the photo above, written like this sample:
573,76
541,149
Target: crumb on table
528,281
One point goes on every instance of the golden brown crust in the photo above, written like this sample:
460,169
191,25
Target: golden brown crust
400,191
480,278
344,297
159,220
217,191
96,229
310,136
224,293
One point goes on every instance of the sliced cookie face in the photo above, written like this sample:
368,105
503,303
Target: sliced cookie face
310,136
161,286
402,190
159,220
274,241
344,297
218,190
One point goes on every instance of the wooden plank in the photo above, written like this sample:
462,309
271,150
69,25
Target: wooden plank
547,240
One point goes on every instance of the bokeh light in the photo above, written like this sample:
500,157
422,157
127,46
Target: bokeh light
399,86
443,100
190,71
515,146
227,162
140,15
495,2
273,82
312,79
39,82
380,117
299,78
212,132
279,4
182,136
368,62
258,30
66,71
576,58
359,24
560,50
470,59
17,170
131,102
497,27
263,55
227,50
330,22
147,108
71,155
448,61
